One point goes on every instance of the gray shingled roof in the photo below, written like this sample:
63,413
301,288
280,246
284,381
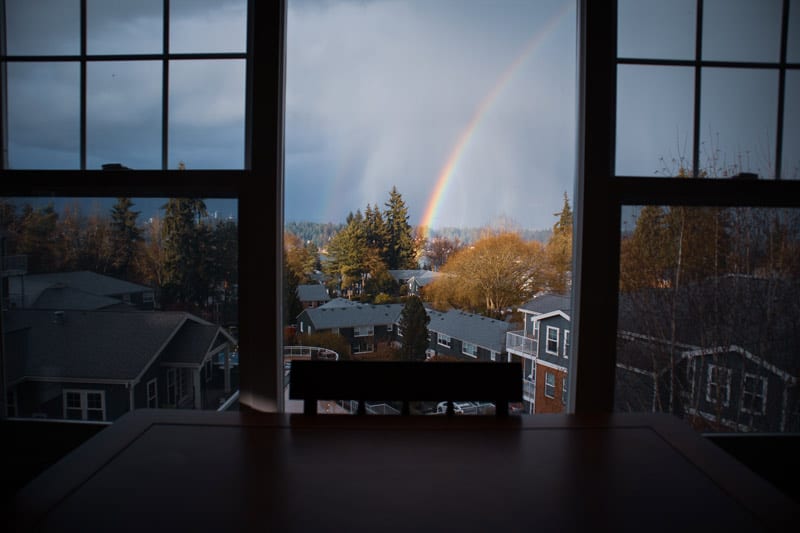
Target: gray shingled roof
191,344
545,303
347,316
70,298
312,293
486,332
85,281
105,345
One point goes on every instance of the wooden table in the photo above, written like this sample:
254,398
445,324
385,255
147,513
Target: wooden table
158,470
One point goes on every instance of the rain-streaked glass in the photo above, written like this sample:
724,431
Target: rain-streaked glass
655,29
206,114
742,30
43,27
124,27
738,122
208,26
123,115
654,120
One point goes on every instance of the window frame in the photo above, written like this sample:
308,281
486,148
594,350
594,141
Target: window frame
717,384
149,397
548,340
83,396
549,386
443,339
599,196
474,353
363,331
762,394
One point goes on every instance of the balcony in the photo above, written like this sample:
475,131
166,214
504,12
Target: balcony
519,343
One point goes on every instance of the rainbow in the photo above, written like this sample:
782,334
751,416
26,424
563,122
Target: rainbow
450,165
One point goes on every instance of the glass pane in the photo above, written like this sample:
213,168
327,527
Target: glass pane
43,103
206,114
742,30
124,27
793,43
738,121
692,282
656,29
654,120
457,124
154,279
27,24
790,164
123,115
208,26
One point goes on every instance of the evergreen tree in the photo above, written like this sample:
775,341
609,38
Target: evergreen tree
414,327
183,235
126,236
375,230
400,252
559,250
347,251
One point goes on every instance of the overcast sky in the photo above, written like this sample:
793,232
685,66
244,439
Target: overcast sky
380,93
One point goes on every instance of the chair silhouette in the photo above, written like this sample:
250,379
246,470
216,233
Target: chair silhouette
311,381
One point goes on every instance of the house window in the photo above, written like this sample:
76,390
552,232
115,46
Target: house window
365,347
400,332
535,328
754,394
467,348
552,340
147,297
718,385
388,327
493,355
549,384
564,391
183,386
691,372
566,343
172,387
443,340
363,331
152,393
84,405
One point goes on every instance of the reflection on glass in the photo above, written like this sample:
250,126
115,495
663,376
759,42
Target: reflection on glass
708,309
123,115
790,162
654,120
738,114
656,30
124,27
43,115
135,273
206,114
742,30
208,26
43,27
793,43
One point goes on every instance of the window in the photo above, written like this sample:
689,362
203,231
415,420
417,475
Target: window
388,328
754,394
183,386
549,384
493,355
566,343
84,405
363,331
552,340
535,328
152,393
564,391
172,387
718,385
443,340
467,348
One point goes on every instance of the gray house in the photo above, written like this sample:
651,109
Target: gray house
467,336
98,365
312,295
365,326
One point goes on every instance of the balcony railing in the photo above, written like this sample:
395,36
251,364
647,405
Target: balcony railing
519,342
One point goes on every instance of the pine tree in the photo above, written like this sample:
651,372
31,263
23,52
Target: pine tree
559,250
400,252
125,236
414,328
185,241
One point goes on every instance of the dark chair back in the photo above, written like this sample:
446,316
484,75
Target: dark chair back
311,381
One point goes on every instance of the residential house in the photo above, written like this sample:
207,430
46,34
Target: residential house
365,326
542,347
720,353
98,365
414,279
466,336
76,290
312,295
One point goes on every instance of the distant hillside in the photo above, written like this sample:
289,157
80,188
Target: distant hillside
321,233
